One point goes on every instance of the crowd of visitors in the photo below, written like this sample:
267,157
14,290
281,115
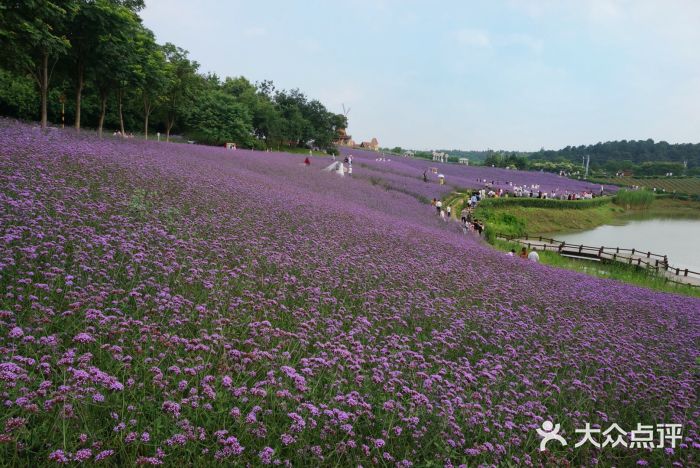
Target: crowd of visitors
534,191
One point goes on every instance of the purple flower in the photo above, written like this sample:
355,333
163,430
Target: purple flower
83,338
59,456
333,315
266,455
83,455
104,454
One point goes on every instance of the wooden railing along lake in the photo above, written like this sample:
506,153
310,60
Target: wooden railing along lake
648,260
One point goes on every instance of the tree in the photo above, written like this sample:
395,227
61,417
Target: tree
290,106
266,119
100,49
180,83
90,22
216,118
18,96
35,30
149,72
115,50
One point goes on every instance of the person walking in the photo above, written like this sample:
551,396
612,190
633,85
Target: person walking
449,212
438,205
307,162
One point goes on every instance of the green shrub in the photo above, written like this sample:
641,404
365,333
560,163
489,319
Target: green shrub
499,223
634,198
490,234
544,203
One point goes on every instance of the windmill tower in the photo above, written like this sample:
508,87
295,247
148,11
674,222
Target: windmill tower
343,138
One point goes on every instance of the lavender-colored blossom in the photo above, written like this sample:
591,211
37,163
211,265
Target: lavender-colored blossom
256,308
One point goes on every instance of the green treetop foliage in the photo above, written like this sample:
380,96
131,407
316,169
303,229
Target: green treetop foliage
217,118
33,38
180,83
641,157
100,56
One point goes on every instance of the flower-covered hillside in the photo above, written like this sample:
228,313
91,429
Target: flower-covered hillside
164,303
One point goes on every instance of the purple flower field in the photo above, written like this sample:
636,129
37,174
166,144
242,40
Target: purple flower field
403,173
177,304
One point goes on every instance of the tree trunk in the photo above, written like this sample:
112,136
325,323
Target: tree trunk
145,127
168,126
120,94
146,114
44,85
103,109
78,95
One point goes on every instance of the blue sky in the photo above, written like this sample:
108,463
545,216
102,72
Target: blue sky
511,74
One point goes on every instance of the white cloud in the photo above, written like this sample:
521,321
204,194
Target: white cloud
481,39
524,40
472,38
604,10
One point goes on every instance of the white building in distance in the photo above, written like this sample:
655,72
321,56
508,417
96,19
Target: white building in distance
439,156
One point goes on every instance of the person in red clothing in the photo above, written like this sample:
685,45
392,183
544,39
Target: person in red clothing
307,162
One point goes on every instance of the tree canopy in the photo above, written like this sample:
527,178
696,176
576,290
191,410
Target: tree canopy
99,54
642,157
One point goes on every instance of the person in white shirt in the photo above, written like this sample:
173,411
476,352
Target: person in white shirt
533,257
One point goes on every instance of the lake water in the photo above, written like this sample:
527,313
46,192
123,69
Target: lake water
677,238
